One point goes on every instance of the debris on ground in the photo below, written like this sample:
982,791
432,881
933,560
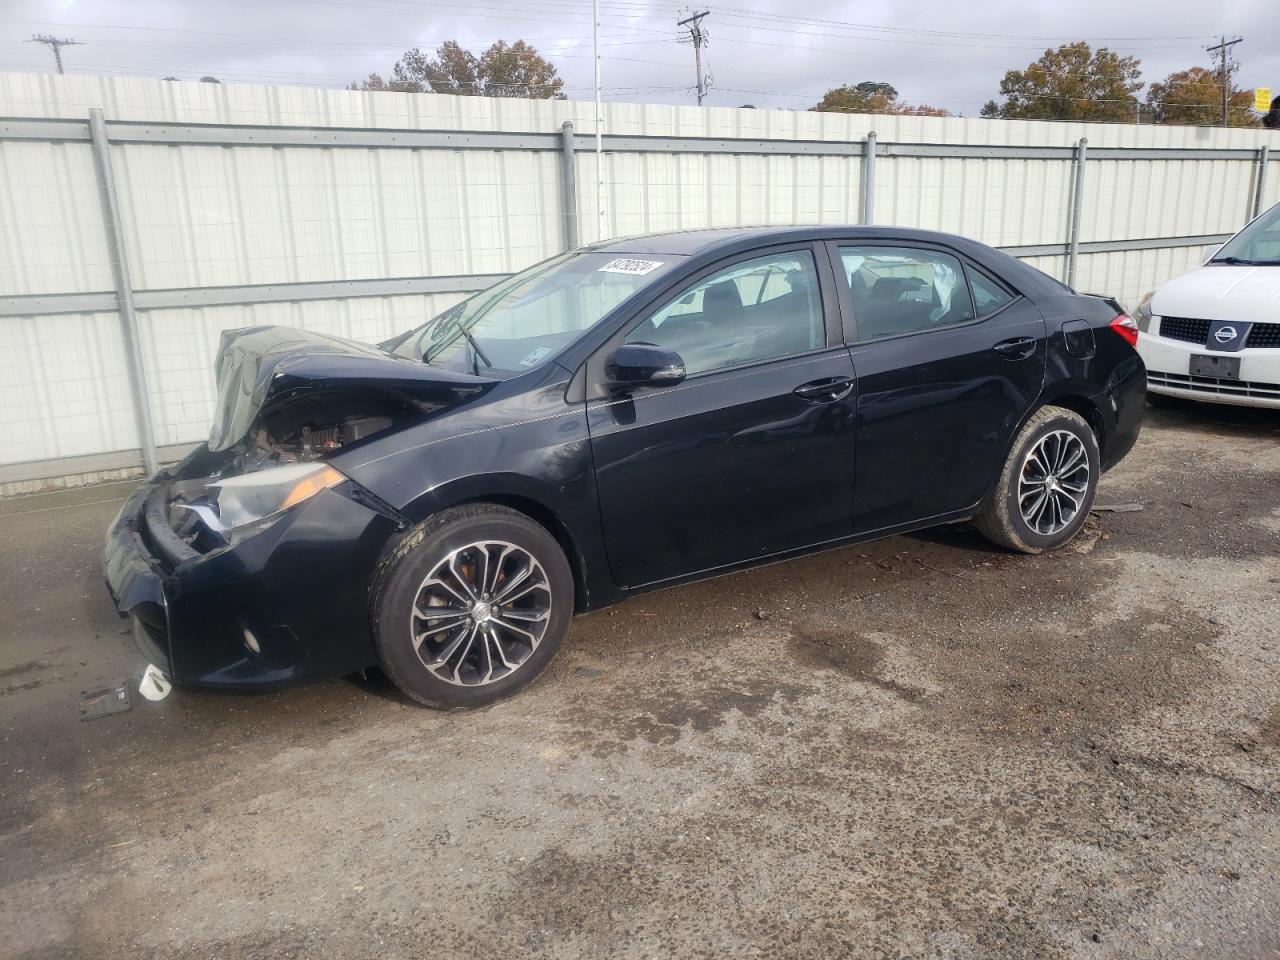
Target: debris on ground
104,701
1117,507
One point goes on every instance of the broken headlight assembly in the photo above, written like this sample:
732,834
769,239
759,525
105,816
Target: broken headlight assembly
252,497
254,500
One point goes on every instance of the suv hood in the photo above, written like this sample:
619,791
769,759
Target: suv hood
1241,293
258,366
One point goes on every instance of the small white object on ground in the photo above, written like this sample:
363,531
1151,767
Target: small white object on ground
154,684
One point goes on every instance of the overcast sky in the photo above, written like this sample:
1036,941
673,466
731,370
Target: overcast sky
947,53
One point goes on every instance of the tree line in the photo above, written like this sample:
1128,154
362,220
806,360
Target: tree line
1073,82
1076,82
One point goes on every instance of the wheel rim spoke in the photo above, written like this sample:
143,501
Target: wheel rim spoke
462,598
421,635
480,613
504,595
536,615
471,639
506,625
461,578
443,658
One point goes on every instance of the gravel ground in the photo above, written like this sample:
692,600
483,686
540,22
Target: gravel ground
918,747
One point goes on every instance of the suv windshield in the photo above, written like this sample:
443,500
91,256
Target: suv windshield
526,319
1258,244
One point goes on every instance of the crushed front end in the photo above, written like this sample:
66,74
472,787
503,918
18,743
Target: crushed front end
249,563
271,601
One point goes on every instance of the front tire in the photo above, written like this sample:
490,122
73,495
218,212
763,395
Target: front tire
471,606
1047,486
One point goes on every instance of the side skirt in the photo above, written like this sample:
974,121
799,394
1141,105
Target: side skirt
770,559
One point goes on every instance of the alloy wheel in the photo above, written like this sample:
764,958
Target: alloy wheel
481,613
1053,482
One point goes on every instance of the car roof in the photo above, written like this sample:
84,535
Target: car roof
704,246
688,243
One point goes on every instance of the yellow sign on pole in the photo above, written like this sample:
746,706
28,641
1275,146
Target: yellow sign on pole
1262,99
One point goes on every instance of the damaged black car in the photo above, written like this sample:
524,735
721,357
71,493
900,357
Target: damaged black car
631,415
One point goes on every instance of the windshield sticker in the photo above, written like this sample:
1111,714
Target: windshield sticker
638,267
535,356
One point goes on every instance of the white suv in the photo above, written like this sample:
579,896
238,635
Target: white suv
1214,334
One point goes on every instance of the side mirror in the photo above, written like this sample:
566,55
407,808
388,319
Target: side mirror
644,365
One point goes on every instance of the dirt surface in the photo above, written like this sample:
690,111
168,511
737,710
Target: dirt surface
921,747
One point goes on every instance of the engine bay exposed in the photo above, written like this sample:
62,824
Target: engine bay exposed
303,429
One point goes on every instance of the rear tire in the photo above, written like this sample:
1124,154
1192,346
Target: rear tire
1047,486
471,606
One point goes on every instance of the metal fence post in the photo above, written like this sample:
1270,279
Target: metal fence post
1260,195
124,288
1077,201
867,204
569,183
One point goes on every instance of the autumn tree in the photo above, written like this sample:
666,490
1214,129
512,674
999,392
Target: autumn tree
518,71
871,96
503,70
1194,96
1073,82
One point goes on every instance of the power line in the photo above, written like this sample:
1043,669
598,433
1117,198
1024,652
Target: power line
55,44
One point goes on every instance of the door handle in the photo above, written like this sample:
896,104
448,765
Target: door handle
1016,348
827,390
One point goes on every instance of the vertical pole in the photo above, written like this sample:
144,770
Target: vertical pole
124,289
1077,202
697,65
1260,194
1226,83
569,181
867,206
595,39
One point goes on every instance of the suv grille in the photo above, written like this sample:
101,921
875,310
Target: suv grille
1197,331
1264,335
1183,328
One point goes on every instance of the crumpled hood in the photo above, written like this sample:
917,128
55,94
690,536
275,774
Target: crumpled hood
1222,292
257,365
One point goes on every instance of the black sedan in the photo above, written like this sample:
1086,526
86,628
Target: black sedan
631,415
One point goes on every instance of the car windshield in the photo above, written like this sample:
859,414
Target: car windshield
526,319
1258,244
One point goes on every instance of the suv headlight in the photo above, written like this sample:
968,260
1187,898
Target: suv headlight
1143,314
251,497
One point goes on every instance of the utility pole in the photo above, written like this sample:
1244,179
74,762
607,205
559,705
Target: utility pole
55,44
699,38
1223,50
595,43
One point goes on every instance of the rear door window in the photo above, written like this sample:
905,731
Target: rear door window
898,290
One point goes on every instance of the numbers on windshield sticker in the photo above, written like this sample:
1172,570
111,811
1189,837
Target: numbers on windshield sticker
535,356
626,265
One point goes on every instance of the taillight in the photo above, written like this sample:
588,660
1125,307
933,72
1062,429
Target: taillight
1125,326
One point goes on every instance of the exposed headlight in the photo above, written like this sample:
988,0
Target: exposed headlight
255,496
1143,314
